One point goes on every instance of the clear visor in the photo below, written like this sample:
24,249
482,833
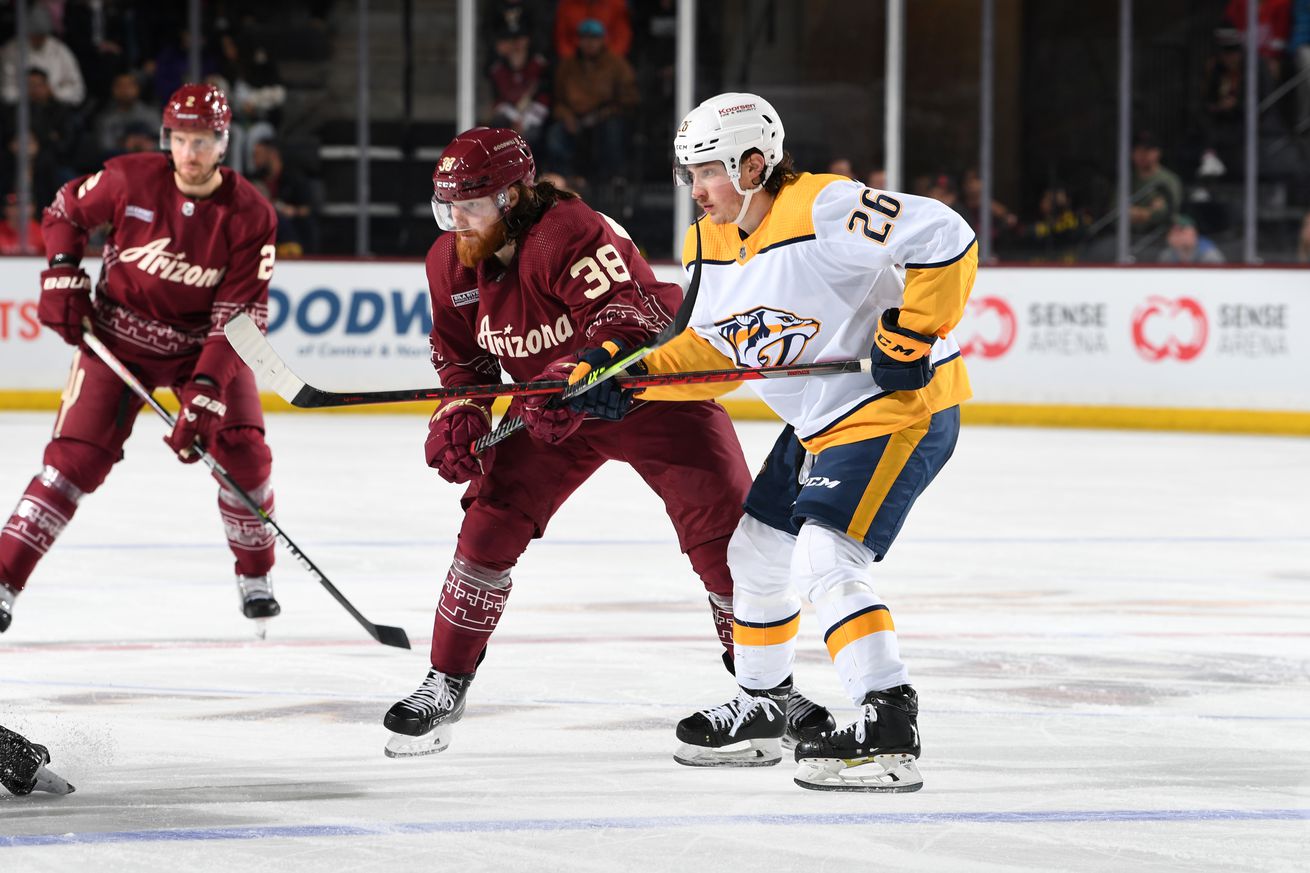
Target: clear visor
469,214
681,175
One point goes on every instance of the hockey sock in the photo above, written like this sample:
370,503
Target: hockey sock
472,602
857,626
250,540
37,521
766,609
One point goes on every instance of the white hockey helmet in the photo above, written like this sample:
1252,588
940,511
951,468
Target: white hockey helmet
724,128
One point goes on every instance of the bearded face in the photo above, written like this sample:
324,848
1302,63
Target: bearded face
475,246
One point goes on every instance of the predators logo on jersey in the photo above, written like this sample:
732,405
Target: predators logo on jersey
767,337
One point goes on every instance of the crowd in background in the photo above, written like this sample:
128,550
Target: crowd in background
589,83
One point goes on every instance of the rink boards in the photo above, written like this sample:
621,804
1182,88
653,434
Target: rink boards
1195,349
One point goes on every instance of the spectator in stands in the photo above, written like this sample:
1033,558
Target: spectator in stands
593,91
47,53
9,230
256,94
292,196
42,171
841,167
1303,241
1157,190
125,108
519,86
942,187
877,179
137,137
1274,25
171,67
532,17
613,16
51,122
1187,246
1005,224
1058,229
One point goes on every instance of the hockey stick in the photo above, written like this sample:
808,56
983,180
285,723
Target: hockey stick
680,321
273,372
387,636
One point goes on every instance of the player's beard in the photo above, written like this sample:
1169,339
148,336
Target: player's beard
474,247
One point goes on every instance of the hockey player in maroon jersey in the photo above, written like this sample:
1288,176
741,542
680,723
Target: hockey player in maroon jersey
189,245
534,283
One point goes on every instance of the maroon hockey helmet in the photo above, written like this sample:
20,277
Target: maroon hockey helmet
481,162
196,107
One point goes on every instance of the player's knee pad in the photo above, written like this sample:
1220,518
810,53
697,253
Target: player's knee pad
82,465
759,556
244,454
710,561
827,564
494,534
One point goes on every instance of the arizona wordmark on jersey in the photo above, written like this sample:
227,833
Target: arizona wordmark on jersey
810,285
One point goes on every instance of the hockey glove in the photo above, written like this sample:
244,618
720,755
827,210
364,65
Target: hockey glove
198,419
65,301
606,400
19,762
900,356
545,417
452,430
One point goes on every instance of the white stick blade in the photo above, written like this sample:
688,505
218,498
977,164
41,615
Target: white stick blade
254,348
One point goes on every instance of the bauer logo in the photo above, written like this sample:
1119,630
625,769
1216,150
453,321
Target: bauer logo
988,328
1170,328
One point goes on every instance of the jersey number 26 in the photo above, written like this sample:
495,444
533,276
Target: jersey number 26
883,205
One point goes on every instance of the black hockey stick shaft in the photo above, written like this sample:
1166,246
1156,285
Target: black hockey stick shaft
680,321
384,634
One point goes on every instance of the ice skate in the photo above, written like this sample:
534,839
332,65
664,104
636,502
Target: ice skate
422,724
744,732
805,720
257,601
7,596
877,752
23,766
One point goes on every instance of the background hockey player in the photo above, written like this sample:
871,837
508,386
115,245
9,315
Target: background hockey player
800,269
535,283
190,244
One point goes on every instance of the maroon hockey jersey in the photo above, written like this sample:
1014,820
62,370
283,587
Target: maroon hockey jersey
576,280
176,268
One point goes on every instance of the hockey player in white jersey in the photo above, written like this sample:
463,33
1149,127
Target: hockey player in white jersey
797,269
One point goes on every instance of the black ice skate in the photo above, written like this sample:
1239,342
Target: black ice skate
23,766
422,723
875,753
7,596
805,720
744,732
257,601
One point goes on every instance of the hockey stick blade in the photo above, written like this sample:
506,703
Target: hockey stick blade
51,782
388,636
250,344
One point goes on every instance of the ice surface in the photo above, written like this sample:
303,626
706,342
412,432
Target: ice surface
1108,632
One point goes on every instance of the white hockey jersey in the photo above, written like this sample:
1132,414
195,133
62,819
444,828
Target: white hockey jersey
809,286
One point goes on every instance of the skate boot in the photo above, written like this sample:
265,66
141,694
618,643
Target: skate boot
257,601
422,723
875,753
23,766
805,720
7,596
744,732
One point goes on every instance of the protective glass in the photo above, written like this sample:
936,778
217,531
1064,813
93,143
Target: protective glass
469,214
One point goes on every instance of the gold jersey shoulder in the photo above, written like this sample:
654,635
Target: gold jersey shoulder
791,219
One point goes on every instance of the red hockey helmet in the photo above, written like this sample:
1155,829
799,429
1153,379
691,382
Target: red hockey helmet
196,107
482,162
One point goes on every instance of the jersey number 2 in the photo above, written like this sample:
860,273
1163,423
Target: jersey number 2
597,282
883,205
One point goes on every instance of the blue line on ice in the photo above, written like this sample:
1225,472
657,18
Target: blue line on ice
655,823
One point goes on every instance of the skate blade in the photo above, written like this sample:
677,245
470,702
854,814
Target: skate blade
748,753
887,774
261,628
50,781
405,746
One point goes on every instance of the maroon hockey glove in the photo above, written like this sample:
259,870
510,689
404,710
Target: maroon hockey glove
544,417
201,414
453,429
65,301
